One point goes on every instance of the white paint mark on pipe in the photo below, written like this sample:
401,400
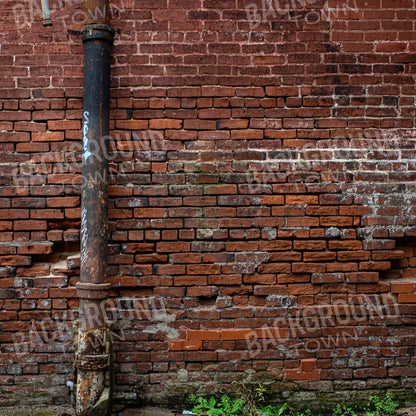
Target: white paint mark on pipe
85,131
84,237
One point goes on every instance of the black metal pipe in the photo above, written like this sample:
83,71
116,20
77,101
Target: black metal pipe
92,358
97,43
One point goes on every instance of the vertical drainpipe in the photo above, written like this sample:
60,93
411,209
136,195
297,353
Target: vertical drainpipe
92,358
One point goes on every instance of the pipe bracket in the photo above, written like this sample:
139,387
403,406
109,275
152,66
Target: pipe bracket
98,32
93,291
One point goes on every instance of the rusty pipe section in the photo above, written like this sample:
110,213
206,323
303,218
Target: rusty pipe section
92,359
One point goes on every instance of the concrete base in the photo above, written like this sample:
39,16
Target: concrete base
103,406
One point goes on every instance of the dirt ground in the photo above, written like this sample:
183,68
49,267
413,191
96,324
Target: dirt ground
37,411
146,411
408,411
120,411
69,411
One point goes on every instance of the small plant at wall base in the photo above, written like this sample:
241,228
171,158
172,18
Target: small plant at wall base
246,406
213,407
381,405
273,411
342,410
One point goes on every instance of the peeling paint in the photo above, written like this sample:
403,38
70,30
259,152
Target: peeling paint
163,325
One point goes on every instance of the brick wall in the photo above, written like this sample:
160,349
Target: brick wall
262,182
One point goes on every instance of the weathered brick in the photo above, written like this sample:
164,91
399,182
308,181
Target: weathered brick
64,125
300,374
50,136
193,345
15,261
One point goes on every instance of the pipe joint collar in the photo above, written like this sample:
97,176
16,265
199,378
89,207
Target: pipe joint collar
92,362
97,32
93,291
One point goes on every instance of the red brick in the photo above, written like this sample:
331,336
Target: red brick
345,245
232,124
407,298
70,201
308,268
206,291
200,356
30,225
13,137
248,134
271,333
217,91
337,221
214,113
51,281
301,199
33,293
35,249
353,255
319,256
374,265
15,260
316,245
33,271
190,280
363,277
402,287
387,254
304,289
236,334
55,136
132,124
64,125
203,269
175,247
162,124
308,364
68,292
193,345
298,374
203,335
282,91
